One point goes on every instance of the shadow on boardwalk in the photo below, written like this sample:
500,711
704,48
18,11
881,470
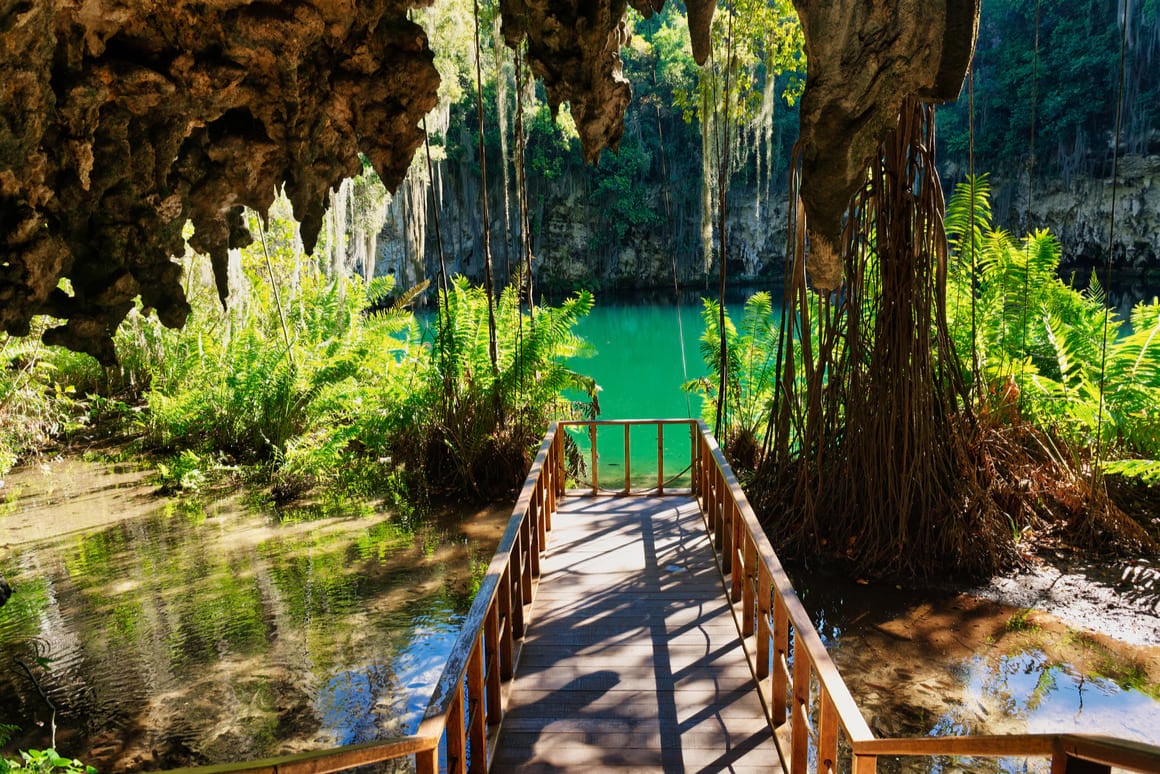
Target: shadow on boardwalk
632,659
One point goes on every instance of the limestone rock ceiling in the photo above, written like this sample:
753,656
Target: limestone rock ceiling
121,120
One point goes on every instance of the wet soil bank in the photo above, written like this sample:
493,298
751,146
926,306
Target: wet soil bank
1070,646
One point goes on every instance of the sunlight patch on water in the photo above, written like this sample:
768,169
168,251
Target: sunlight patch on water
944,664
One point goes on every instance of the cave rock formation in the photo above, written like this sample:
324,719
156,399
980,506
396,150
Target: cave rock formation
864,59
121,120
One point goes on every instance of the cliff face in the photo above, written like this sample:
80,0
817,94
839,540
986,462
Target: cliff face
572,242
1079,214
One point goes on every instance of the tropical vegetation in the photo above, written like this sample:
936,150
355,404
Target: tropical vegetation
317,380
1056,391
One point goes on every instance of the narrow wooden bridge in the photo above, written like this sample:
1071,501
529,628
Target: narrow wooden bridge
651,627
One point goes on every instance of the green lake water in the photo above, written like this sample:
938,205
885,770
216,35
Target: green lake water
642,355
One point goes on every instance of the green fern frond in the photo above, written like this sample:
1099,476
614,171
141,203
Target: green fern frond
1147,471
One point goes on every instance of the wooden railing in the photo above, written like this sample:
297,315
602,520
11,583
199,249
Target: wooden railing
594,484
808,705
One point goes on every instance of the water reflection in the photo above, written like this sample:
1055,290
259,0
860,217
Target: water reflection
947,664
175,635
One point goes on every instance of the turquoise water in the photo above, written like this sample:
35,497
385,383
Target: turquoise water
643,354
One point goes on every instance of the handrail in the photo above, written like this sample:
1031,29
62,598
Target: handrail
468,703
1101,750
323,761
770,611
786,673
594,486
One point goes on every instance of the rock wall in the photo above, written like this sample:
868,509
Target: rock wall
1079,214
568,228
573,245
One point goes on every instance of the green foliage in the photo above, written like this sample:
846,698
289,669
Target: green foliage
43,762
552,144
1059,356
38,397
621,190
182,473
329,384
471,427
751,374
1067,86
289,356
759,40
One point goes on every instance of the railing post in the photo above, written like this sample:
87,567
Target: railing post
504,595
549,502
800,732
535,533
660,458
864,764
427,761
749,580
476,711
492,648
694,466
595,472
627,461
725,528
710,507
780,659
827,735
764,626
456,735
562,474
516,587
528,551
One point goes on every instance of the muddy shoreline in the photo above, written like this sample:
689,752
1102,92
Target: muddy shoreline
1119,598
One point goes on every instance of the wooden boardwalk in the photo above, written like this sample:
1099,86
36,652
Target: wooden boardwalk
632,660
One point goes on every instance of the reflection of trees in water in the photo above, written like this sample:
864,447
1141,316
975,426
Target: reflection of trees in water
198,637
1005,686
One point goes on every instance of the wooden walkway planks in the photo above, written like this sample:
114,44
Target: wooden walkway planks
632,659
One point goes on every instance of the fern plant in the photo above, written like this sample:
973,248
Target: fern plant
1058,356
469,425
751,373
